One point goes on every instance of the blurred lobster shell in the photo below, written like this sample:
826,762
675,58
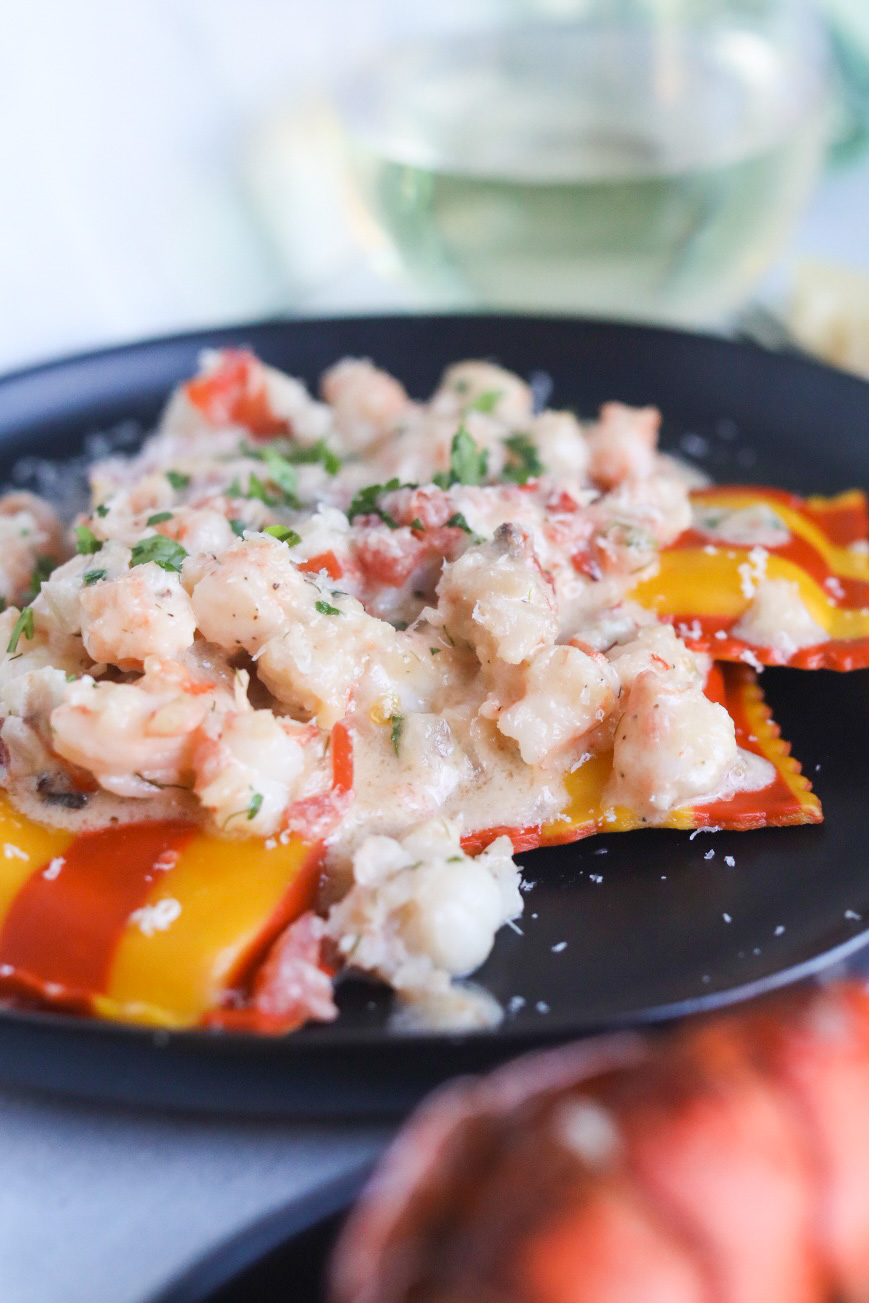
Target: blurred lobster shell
724,1162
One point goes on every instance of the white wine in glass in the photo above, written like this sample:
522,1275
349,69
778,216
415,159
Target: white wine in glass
630,167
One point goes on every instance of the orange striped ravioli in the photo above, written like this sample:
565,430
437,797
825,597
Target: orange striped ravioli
152,923
705,586
161,924
788,799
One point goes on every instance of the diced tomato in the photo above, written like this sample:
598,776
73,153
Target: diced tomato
385,559
342,757
234,393
323,561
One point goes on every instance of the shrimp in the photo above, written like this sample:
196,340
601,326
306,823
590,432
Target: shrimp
496,598
367,403
622,445
672,746
135,737
465,383
420,912
566,692
143,612
30,532
238,597
249,766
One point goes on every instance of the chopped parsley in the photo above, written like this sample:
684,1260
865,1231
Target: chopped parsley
257,489
458,522
468,463
485,402
238,527
159,517
281,473
163,551
397,724
41,571
178,480
94,576
102,509
524,461
325,609
318,452
254,805
366,502
435,651
283,535
86,541
22,626
416,523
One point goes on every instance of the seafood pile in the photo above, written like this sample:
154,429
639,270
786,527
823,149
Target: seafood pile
379,645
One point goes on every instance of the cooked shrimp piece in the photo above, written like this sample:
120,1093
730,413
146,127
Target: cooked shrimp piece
672,746
134,737
29,531
366,403
562,445
420,911
238,597
622,445
566,693
325,647
249,766
199,530
26,702
496,598
145,612
465,383
658,649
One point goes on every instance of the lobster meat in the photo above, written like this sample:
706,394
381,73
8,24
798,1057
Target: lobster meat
726,1161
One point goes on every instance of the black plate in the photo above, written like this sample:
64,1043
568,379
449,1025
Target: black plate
650,941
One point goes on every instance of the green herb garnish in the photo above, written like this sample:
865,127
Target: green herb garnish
417,524
468,463
281,473
178,480
524,461
86,541
254,805
318,452
102,509
397,724
238,527
94,576
283,535
325,609
41,571
458,522
23,626
485,402
163,551
159,517
366,502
